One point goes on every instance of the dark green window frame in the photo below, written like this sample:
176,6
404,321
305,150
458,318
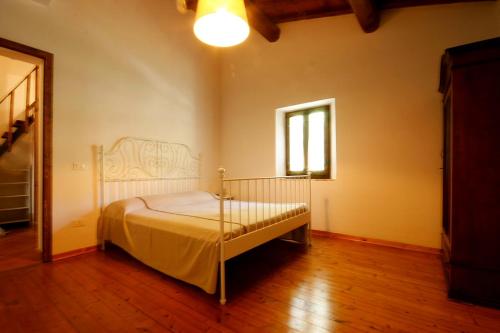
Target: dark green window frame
325,174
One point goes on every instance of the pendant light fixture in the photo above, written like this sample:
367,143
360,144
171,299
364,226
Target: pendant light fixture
221,23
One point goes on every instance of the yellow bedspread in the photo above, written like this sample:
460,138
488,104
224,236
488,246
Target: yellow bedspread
178,234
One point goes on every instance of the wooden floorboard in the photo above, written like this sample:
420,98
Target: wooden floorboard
335,286
18,247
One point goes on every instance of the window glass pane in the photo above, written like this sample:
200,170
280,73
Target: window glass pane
296,142
316,144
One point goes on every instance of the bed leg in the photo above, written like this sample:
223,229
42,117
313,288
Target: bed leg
103,246
222,283
222,258
309,238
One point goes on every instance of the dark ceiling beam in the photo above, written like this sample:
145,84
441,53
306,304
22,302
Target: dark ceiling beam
262,23
191,4
367,14
256,18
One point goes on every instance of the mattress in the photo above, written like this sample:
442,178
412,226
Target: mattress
178,234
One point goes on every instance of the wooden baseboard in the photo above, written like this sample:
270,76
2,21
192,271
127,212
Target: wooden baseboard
379,242
74,253
318,233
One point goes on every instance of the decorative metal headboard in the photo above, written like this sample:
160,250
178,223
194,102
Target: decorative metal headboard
135,167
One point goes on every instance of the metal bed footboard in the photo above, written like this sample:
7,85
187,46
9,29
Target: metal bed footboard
275,205
260,209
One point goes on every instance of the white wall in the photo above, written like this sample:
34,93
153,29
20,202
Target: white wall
12,71
389,121
134,68
122,68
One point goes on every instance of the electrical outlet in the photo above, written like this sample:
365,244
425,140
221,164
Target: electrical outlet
79,166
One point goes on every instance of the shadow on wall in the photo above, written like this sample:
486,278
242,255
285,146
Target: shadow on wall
78,234
21,156
82,231
328,220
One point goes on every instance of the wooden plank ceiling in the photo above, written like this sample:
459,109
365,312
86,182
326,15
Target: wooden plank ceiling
266,15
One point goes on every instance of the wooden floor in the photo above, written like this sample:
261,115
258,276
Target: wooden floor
337,286
18,247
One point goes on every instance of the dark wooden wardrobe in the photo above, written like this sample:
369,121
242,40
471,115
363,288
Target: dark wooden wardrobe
470,83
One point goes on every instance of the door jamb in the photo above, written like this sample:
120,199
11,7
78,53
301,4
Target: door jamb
48,63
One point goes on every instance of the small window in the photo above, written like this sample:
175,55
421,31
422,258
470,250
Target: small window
307,143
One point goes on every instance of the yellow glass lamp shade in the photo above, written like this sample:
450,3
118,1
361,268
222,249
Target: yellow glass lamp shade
221,23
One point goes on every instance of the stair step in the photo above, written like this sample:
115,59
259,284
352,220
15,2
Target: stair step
10,200
5,135
12,178
16,133
14,175
15,221
12,209
17,128
19,123
4,171
7,214
18,188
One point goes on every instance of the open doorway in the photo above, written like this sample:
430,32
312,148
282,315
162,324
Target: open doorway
25,155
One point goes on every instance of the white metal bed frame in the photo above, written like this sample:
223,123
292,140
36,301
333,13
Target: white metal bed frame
137,167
